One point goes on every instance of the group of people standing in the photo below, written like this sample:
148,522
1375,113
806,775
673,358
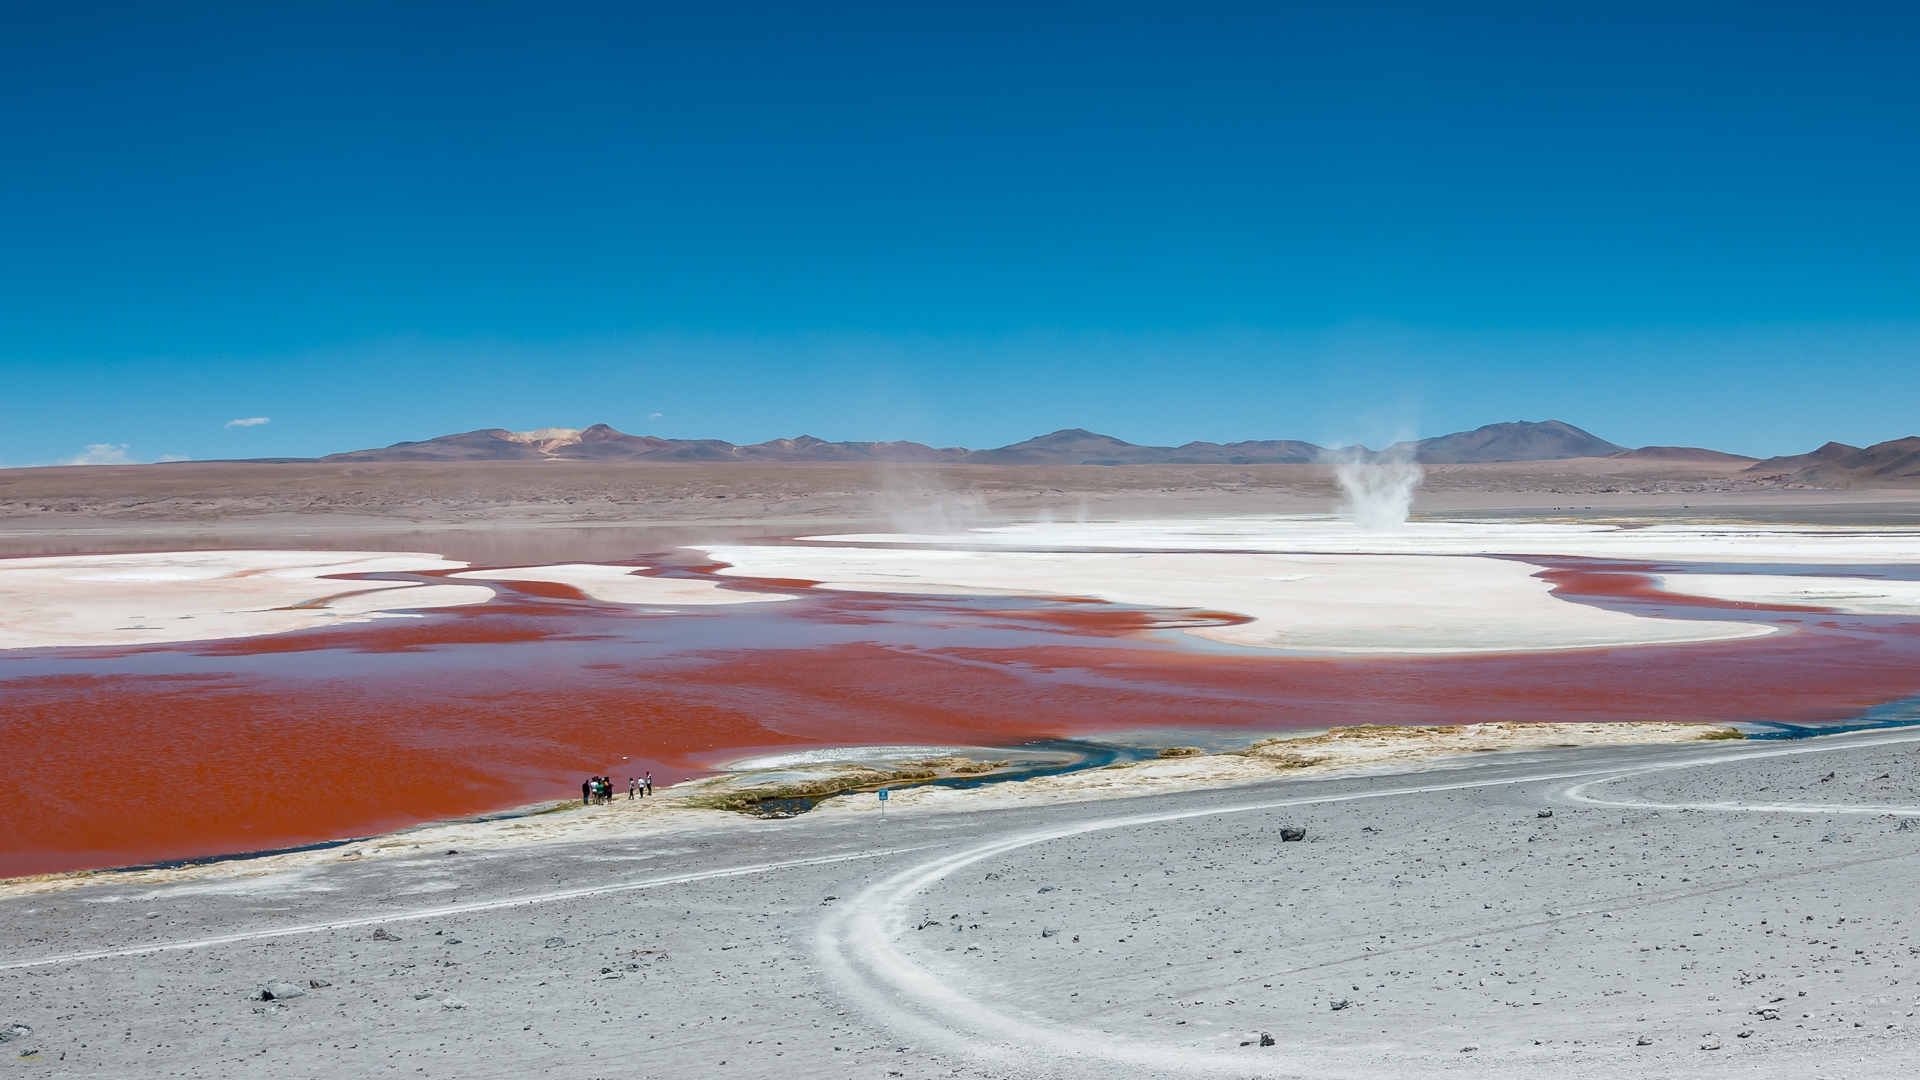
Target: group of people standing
599,789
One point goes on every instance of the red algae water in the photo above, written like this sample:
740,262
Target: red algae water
121,756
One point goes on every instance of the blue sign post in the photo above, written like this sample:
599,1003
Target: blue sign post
883,802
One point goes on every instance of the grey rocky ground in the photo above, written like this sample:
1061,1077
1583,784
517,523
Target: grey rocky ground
1433,923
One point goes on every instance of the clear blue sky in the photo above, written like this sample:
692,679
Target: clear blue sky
956,223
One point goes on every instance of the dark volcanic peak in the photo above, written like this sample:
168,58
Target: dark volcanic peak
1678,453
1524,440
1894,463
1791,462
1072,446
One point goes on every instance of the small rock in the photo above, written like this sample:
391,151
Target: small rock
423,995
383,934
315,984
1468,1049
1048,932
993,877
453,941
1046,888
1710,1042
1291,835
280,991
555,942
1748,1034
1336,1006
14,1030
1266,1039
1644,1041
452,1003
450,851
1544,813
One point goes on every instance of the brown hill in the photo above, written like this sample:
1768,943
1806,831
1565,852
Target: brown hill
1524,440
1678,453
1072,446
1894,463
1792,462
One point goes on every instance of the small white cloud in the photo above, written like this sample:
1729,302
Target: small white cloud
251,421
175,457
101,454
655,415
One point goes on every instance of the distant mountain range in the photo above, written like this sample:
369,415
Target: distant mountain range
1834,464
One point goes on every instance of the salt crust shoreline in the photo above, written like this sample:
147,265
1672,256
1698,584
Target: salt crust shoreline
1308,583
163,597
620,585
1340,751
1853,595
1338,604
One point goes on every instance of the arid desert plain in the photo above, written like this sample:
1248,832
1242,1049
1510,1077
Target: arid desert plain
1588,768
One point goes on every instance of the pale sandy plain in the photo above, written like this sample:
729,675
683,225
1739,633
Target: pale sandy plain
1690,909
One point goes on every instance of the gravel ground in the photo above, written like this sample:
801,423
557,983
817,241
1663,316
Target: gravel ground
1432,923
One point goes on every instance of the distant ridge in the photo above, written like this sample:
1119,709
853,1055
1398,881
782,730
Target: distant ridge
1678,453
1071,446
1894,463
1793,462
1546,440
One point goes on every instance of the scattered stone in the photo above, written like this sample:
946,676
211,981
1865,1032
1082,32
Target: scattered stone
555,942
1266,1039
383,934
1710,1042
1644,1041
453,941
14,1030
280,991
452,1003
450,851
1748,1034
423,995
993,877
1544,813
1336,1006
315,984
1048,932
1767,1014
1468,1049
1046,888
1291,835
1181,751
